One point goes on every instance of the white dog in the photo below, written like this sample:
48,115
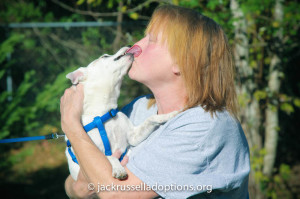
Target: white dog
102,81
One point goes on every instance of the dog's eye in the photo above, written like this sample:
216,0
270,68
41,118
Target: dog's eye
116,59
104,56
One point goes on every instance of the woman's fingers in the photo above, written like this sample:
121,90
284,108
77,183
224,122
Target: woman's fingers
125,160
117,154
71,105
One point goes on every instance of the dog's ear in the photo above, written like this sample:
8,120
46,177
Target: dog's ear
77,75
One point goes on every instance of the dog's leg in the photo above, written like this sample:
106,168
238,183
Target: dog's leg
118,171
141,132
73,167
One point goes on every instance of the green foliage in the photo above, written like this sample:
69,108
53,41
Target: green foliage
288,103
187,3
287,107
14,113
213,4
272,187
45,56
243,99
277,184
20,11
297,102
7,47
259,95
90,37
48,99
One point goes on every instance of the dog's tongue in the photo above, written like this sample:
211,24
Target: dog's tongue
135,50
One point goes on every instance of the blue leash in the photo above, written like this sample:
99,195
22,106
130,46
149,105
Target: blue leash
98,123
25,139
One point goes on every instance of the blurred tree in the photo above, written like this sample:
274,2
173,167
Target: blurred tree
274,82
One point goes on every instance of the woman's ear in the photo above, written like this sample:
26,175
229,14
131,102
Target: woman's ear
175,69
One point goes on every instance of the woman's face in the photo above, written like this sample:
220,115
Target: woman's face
153,67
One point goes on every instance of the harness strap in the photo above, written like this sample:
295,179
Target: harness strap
98,122
71,153
110,114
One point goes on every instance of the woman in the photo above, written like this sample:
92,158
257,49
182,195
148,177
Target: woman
201,152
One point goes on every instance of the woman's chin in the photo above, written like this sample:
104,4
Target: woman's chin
130,73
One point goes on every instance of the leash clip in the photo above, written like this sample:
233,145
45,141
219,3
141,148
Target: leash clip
56,136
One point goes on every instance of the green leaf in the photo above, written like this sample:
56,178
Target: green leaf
253,64
110,4
267,60
79,2
297,102
124,8
134,15
287,107
285,171
259,95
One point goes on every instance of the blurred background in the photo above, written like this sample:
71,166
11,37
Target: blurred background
42,40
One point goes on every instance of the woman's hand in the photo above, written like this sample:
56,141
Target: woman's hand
78,189
118,154
71,104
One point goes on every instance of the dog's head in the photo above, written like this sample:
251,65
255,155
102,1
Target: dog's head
107,68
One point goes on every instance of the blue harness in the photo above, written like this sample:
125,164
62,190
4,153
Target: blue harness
98,122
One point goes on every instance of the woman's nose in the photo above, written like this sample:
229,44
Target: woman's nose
136,50
141,43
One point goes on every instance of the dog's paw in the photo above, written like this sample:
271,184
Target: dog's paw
159,119
171,115
119,173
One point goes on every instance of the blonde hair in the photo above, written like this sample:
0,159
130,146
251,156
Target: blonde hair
201,50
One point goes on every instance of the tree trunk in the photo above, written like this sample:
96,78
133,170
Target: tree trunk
116,43
271,138
250,112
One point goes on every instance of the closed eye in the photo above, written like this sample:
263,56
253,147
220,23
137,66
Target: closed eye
152,38
116,59
105,56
